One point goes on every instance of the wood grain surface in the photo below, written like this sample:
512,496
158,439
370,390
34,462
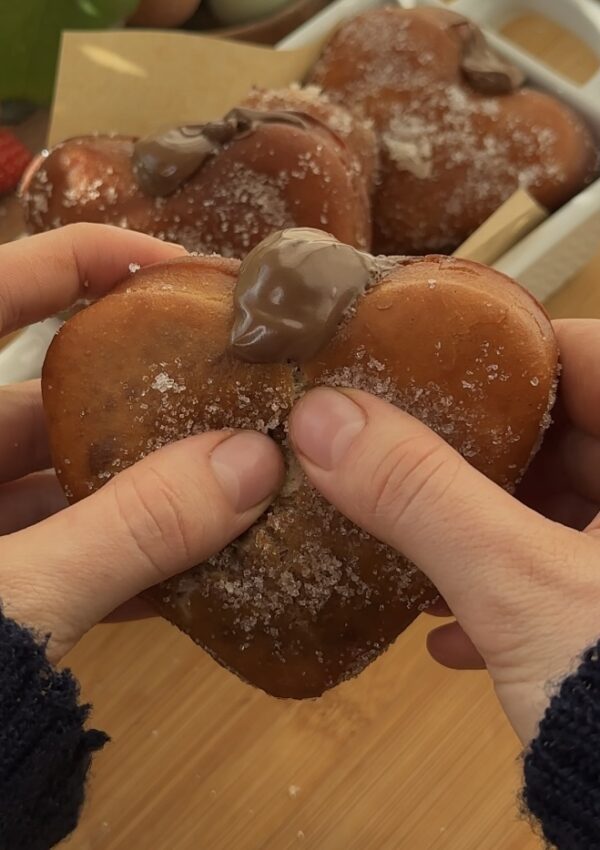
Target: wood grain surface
407,757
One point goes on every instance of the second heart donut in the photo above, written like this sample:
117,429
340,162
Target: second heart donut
459,134
214,188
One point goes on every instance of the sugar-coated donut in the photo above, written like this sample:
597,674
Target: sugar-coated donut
304,599
214,188
458,134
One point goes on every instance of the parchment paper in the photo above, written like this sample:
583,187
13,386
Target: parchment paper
136,82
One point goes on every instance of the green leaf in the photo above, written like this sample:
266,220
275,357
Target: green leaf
30,32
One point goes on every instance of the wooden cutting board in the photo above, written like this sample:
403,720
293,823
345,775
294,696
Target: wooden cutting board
407,757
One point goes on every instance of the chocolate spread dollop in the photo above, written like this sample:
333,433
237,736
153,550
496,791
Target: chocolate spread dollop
485,70
162,162
292,292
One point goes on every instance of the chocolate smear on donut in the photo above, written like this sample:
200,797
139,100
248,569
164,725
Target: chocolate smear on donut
163,161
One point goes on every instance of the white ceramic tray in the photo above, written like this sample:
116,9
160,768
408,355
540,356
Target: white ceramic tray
22,358
546,258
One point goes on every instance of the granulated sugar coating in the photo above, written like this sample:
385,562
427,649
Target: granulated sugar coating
450,154
240,209
304,599
479,154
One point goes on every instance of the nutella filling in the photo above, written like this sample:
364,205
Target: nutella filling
292,292
484,69
162,162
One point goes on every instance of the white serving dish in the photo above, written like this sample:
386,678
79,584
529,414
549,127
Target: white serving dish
22,358
547,257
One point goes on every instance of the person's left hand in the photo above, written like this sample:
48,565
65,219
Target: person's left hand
62,569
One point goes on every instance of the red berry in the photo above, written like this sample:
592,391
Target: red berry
14,159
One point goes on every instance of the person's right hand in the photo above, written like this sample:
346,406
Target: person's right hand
523,586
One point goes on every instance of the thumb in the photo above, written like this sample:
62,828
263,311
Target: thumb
166,514
394,477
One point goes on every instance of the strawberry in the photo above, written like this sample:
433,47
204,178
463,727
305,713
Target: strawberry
14,158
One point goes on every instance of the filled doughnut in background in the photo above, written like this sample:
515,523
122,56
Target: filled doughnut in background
219,188
304,599
458,132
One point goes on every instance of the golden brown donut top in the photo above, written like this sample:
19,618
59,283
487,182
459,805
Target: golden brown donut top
163,161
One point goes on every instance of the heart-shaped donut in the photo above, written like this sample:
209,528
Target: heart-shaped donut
458,134
214,188
304,599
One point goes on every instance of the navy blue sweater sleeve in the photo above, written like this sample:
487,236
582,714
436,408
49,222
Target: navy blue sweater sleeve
562,765
45,751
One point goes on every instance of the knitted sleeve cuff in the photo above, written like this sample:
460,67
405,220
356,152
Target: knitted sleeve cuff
562,765
45,752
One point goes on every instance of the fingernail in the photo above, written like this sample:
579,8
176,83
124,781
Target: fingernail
324,425
248,468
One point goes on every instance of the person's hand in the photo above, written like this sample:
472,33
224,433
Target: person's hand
62,569
523,586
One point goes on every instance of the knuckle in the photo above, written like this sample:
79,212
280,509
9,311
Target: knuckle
150,508
78,230
410,475
80,233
